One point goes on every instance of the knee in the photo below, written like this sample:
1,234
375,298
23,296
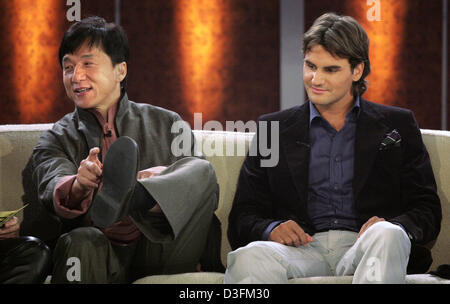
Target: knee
388,233
31,246
39,247
33,256
208,171
249,256
208,178
41,260
80,239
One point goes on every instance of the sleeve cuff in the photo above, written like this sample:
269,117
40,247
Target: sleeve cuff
266,233
61,197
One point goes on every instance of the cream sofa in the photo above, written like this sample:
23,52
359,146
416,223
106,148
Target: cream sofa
17,142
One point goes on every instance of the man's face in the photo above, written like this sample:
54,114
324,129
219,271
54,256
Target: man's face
90,78
328,79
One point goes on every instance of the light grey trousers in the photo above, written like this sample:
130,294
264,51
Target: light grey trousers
379,255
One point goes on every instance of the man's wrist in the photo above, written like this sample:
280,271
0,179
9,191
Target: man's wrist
270,227
78,192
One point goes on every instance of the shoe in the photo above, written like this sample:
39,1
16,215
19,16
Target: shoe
120,169
442,271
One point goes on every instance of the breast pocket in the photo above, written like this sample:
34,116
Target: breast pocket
389,161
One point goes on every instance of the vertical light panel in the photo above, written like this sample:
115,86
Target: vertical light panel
201,27
117,11
444,110
36,32
384,22
291,58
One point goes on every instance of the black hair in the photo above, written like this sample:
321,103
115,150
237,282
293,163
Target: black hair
109,37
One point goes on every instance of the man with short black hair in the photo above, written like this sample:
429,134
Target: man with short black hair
353,192
129,206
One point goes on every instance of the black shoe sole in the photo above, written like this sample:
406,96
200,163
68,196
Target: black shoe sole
120,170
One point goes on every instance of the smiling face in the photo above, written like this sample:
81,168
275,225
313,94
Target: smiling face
90,79
328,79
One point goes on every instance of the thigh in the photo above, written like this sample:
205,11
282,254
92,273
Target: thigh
338,244
295,262
85,255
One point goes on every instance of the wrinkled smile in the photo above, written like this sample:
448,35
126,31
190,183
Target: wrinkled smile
82,90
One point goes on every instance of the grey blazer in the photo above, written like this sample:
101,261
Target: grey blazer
186,182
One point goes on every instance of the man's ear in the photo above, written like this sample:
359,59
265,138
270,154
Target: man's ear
121,71
358,71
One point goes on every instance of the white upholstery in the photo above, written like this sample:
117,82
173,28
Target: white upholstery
17,142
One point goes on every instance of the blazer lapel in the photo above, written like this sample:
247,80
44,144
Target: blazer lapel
294,142
88,125
370,131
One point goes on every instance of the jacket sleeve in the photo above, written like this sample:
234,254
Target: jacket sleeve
423,214
251,212
50,164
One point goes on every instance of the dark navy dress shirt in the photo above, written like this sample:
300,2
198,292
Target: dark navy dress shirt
330,203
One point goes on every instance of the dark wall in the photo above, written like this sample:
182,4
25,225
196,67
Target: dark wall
30,82
245,77
247,71
406,69
242,82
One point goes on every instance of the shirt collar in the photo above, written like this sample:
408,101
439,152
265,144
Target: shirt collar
106,125
313,113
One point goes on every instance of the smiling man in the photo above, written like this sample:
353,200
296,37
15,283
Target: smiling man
91,79
353,192
126,204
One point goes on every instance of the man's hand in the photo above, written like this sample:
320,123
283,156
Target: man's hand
291,234
370,222
88,176
154,171
10,229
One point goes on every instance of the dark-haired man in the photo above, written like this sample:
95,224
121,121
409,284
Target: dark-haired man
129,206
353,192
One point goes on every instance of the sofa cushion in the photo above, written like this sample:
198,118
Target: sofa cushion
184,278
217,278
17,142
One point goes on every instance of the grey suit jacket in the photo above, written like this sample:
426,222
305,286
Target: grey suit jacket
178,189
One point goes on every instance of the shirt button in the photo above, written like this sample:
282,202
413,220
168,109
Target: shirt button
337,158
335,221
336,187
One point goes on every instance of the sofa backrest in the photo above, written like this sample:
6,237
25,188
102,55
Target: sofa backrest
16,145
226,152
215,145
438,146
